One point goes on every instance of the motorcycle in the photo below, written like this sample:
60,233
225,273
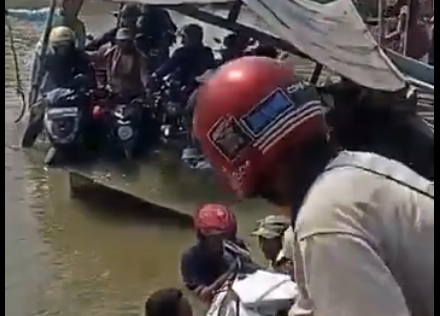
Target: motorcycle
261,293
171,111
125,122
66,122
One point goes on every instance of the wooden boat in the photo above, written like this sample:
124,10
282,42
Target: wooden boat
383,117
418,73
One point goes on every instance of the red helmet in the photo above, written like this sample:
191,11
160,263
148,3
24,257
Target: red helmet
249,113
215,218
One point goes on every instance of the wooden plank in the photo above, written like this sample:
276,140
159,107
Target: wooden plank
162,181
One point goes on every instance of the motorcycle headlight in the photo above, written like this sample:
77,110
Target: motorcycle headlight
125,133
62,130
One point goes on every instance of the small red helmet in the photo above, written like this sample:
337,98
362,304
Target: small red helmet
215,218
249,113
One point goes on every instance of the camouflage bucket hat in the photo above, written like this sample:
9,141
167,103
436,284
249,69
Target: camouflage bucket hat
272,226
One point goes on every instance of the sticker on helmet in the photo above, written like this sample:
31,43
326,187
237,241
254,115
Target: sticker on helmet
229,137
266,112
279,114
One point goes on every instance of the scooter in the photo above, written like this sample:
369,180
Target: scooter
173,115
125,122
65,122
261,293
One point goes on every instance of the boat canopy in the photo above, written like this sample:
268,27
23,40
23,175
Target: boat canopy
332,34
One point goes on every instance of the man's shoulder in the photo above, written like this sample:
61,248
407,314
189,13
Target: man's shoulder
191,255
180,52
340,202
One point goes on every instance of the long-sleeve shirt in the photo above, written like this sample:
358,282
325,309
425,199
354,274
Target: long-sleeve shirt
364,241
107,37
61,71
127,74
187,63
39,17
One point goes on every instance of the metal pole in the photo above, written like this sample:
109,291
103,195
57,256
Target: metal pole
380,21
405,34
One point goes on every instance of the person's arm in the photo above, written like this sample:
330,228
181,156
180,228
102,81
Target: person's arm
81,35
210,59
189,273
401,26
105,38
144,73
345,276
85,68
46,83
192,281
171,64
207,293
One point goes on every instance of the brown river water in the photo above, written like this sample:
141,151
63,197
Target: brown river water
60,257
64,258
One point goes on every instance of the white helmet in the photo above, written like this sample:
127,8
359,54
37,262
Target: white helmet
61,35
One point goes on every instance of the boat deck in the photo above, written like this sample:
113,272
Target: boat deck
160,182
164,183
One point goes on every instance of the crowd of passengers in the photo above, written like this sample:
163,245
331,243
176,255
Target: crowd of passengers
212,260
133,57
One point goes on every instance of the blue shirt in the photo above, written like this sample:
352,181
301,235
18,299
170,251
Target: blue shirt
198,269
187,63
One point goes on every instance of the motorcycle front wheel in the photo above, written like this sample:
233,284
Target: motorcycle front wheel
33,129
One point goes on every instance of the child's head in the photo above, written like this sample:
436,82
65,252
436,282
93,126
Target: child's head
167,302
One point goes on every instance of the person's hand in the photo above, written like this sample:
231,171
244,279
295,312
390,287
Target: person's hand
235,267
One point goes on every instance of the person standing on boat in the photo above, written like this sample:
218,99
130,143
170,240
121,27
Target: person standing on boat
129,15
65,61
270,234
65,15
235,46
189,61
157,33
66,66
218,255
363,224
126,67
410,32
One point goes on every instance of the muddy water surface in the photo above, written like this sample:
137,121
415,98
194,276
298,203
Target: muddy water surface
61,258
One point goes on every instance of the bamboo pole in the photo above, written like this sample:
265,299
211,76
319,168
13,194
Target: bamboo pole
40,57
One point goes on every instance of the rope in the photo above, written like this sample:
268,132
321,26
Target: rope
19,84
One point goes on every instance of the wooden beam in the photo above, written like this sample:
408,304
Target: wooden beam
316,73
234,13
207,17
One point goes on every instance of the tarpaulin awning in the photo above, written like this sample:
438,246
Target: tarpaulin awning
333,34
